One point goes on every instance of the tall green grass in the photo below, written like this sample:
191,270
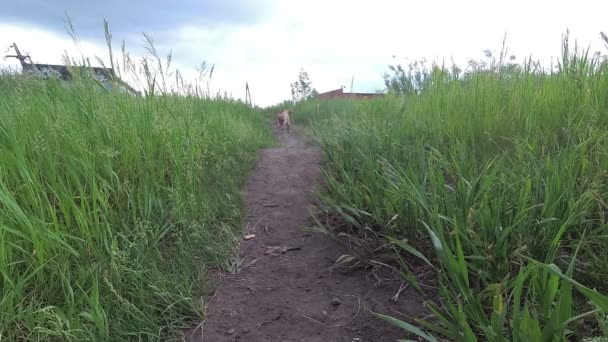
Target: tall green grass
495,178
113,207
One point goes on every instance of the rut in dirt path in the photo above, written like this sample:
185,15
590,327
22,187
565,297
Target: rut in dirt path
284,290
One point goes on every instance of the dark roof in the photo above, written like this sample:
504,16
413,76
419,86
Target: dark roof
65,74
64,71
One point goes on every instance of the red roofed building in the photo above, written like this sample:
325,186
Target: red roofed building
339,93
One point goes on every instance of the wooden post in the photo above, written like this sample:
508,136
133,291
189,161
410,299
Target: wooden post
248,95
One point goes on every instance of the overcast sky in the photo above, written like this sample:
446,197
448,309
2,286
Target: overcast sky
266,42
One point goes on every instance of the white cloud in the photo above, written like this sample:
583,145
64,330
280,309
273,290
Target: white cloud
336,40
44,46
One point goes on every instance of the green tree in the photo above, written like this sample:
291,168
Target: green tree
302,89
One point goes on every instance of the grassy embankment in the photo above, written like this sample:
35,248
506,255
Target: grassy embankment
493,180
113,207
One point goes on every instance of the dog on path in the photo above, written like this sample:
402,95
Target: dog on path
282,120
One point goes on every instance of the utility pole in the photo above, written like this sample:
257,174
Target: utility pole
248,95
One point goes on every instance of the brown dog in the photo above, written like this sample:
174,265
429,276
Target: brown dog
282,121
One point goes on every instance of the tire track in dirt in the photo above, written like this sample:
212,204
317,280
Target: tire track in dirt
284,290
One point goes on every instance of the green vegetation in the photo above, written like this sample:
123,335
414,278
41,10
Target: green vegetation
493,179
113,206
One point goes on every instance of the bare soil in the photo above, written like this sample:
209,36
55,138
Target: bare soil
284,289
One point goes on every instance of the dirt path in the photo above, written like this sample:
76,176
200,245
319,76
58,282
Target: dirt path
290,294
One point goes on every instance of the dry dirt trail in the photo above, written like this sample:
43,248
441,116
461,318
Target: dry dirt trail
284,290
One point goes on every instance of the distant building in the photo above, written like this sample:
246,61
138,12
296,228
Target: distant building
339,93
105,76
